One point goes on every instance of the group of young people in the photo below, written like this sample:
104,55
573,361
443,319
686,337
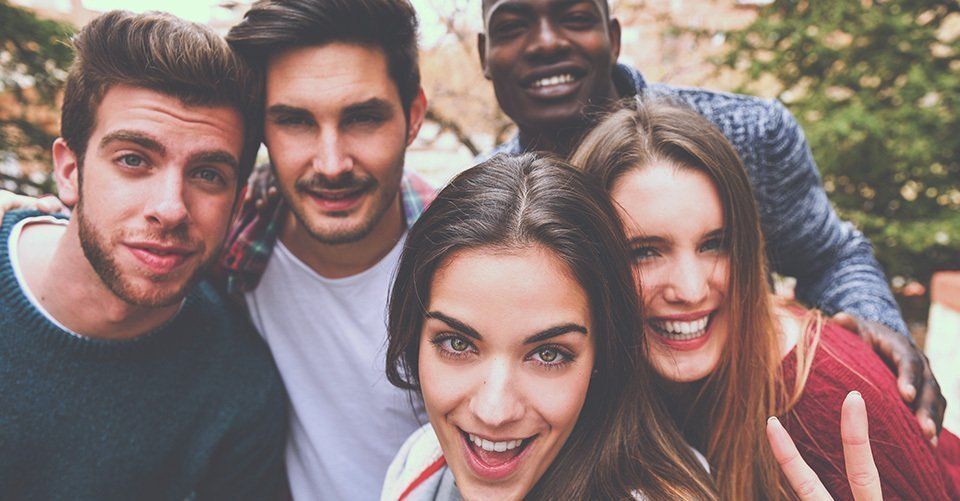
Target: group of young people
585,314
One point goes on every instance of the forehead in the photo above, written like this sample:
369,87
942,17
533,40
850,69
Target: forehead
179,127
663,199
492,6
329,76
513,293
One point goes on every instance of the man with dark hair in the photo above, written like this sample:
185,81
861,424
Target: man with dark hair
553,61
121,376
314,267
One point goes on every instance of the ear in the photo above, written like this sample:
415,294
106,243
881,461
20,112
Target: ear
482,51
66,171
418,109
614,29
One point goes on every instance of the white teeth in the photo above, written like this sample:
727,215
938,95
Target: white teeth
554,80
494,446
682,331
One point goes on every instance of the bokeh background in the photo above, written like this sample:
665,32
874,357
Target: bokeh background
876,85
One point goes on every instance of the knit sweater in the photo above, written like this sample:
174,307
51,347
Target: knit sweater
192,410
832,261
909,467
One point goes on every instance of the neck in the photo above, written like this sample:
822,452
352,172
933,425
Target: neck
562,140
66,285
344,260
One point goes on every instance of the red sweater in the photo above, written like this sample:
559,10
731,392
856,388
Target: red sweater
910,468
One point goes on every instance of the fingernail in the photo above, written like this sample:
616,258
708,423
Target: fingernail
856,394
772,419
933,441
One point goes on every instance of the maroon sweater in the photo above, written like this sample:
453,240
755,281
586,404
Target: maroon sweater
910,468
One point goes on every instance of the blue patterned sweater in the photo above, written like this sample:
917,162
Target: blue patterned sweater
832,261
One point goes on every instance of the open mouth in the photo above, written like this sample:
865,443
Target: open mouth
683,334
495,459
563,78
557,83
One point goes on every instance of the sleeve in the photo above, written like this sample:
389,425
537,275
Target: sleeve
832,261
249,465
907,463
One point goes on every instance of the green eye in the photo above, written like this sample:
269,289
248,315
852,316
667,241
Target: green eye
458,344
548,355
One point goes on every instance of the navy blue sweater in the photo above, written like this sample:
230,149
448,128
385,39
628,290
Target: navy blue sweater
832,261
193,410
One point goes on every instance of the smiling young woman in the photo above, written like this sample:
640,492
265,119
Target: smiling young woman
516,321
729,355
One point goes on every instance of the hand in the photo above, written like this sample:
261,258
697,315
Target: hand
857,457
262,186
914,377
10,201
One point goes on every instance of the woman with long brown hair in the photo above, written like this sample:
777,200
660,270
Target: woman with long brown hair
515,318
727,354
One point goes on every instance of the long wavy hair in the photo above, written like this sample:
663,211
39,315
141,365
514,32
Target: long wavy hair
727,415
623,441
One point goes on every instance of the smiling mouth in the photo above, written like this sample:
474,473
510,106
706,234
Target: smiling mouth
495,459
675,330
554,80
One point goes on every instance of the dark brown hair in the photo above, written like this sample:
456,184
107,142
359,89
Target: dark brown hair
271,26
745,388
162,53
622,441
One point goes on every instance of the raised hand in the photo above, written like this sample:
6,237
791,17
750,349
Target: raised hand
858,458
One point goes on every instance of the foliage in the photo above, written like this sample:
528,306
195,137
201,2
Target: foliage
876,86
34,57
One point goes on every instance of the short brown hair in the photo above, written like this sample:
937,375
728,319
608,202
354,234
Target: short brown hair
162,53
271,26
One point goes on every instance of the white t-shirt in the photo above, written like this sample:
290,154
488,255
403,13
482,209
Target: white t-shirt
328,337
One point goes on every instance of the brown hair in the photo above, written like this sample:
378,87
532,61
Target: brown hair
745,388
162,53
271,26
623,440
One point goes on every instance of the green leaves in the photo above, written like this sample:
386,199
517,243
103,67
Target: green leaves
876,86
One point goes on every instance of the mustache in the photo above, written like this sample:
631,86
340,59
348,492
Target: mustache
346,181
178,236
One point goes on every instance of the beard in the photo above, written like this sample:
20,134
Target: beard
162,290
335,228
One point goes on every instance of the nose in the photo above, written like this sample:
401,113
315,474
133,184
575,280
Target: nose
496,402
547,40
688,282
167,207
332,158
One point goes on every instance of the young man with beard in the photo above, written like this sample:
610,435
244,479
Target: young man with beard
314,267
121,377
553,65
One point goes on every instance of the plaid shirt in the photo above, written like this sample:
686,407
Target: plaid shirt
254,232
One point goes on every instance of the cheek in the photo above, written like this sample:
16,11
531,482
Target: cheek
442,386
560,400
720,277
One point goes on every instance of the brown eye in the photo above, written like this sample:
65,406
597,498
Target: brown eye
548,355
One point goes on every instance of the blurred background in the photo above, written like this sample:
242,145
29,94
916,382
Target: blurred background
876,85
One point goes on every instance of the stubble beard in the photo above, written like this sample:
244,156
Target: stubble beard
96,249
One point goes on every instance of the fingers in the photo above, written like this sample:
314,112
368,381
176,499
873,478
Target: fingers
803,480
858,458
847,322
931,405
10,201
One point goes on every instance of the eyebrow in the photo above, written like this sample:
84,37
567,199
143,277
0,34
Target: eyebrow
372,105
654,239
136,137
215,157
279,109
552,332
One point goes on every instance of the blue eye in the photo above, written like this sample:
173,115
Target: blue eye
131,160
644,253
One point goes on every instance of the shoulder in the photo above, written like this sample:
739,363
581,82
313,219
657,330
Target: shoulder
748,121
236,356
417,468
843,363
